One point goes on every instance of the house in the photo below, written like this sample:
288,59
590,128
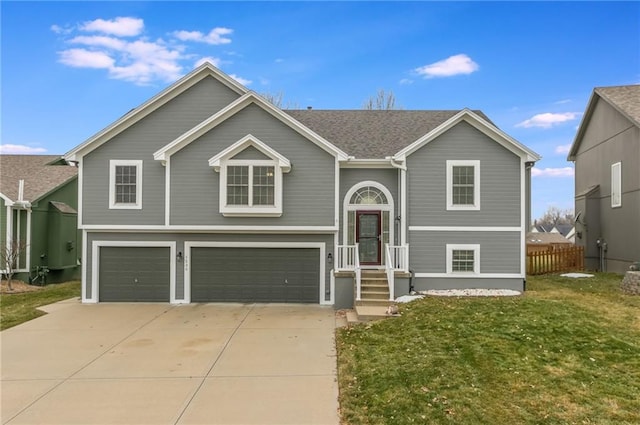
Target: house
38,202
606,152
207,192
546,241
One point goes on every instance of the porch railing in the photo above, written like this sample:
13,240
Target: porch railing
347,255
358,274
398,257
390,270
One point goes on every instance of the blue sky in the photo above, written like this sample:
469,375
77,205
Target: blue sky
71,68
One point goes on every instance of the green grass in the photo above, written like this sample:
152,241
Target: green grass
567,352
19,308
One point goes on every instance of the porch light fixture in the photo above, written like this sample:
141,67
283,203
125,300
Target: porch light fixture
179,256
330,258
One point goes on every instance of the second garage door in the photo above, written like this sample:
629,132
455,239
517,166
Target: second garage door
290,275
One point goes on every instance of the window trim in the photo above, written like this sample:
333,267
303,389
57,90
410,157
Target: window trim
616,189
251,210
466,247
476,185
112,184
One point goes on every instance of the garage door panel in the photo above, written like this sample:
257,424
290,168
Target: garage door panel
134,274
255,274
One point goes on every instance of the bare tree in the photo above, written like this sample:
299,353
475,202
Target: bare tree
554,216
9,256
381,101
277,99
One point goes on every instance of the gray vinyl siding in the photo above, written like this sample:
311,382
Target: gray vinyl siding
308,189
251,153
386,177
500,176
180,238
140,141
424,283
609,138
500,252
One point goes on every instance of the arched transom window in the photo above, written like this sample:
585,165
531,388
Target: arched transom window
368,195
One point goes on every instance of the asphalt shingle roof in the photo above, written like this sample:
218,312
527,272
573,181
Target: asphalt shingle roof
626,98
368,134
39,178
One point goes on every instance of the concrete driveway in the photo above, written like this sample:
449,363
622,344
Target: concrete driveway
161,364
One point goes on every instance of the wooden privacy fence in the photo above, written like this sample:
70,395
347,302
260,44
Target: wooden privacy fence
557,261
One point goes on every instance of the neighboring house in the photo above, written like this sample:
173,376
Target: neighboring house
207,192
566,230
545,241
606,152
38,201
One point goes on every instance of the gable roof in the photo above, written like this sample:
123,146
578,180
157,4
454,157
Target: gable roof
546,238
40,177
367,134
624,99
136,114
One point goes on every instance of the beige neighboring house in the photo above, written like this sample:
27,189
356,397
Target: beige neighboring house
606,152
541,241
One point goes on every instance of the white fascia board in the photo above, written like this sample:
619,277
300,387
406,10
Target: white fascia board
352,162
136,114
582,127
232,109
209,229
7,202
480,124
246,141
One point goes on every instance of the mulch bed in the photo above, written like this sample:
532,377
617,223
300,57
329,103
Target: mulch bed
18,286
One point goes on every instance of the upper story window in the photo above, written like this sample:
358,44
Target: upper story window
125,184
250,187
616,185
463,185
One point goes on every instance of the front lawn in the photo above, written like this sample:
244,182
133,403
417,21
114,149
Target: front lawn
566,352
19,308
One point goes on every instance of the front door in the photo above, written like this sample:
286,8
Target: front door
368,236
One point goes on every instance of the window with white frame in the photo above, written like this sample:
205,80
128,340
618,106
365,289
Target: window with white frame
125,184
463,259
250,187
616,185
463,185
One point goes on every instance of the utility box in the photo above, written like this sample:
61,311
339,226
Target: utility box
62,246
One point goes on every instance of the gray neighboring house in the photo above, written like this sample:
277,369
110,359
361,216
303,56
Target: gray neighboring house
606,152
207,192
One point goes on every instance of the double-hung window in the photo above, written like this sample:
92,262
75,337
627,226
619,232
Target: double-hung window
125,184
463,259
250,187
463,185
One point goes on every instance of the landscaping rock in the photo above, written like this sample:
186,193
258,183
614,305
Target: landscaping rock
631,283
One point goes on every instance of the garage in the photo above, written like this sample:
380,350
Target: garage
249,274
129,273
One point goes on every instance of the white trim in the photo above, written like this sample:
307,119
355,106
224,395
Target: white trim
212,229
236,106
474,276
244,143
523,217
479,123
84,271
464,229
347,207
476,185
113,163
352,162
135,115
403,207
336,195
321,246
80,188
616,185
95,267
28,245
167,192
466,247
7,202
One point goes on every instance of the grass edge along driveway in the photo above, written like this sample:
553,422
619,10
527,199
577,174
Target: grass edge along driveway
568,351
22,307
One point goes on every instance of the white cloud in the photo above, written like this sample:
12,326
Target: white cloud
453,65
563,149
406,81
552,172
60,30
241,80
20,149
279,60
100,41
213,61
548,119
215,36
563,101
121,26
81,58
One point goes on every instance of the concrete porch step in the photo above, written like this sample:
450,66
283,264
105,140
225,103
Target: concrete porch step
374,302
368,313
375,295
